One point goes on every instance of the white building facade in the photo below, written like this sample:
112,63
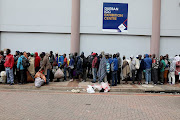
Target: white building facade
44,25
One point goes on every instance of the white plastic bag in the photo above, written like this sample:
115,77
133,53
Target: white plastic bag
99,87
59,74
3,73
39,82
105,86
90,89
3,77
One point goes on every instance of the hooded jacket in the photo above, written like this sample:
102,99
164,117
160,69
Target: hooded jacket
19,64
147,62
9,61
37,60
79,69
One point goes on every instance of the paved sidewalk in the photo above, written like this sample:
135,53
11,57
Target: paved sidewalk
33,105
68,86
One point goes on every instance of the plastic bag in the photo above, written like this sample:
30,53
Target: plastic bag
3,73
39,82
3,77
59,74
40,75
29,77
90,89
105,86
99,87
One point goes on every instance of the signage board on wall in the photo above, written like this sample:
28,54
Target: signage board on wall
115,17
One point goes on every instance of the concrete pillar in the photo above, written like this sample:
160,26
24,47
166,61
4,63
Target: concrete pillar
156,18
75,26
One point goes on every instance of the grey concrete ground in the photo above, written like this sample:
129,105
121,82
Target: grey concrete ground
68,86
53,105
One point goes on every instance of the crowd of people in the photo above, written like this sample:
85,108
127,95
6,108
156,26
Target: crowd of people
100,68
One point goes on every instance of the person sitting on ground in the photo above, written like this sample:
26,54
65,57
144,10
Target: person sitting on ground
46,66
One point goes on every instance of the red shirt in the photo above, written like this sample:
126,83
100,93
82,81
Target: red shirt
9,61
65,62
37,60
94,63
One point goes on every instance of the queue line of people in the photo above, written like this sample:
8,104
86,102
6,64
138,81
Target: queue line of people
102,68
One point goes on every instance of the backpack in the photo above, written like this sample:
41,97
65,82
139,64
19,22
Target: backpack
160,65
25,62
108,67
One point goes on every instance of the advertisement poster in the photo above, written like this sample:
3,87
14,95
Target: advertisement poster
115,17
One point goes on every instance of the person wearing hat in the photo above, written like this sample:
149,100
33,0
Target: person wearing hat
31,68
94,67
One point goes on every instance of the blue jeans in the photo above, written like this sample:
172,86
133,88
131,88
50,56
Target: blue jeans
65,69
47,76
10,75
148,75
94,72
114,78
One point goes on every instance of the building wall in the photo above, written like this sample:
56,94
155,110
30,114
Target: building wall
170,45
126,45
170,27
35,15
23,21
170,18
139,28
36,42
139,16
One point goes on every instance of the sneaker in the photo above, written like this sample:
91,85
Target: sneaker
161,83
146,83
71,80
12,84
